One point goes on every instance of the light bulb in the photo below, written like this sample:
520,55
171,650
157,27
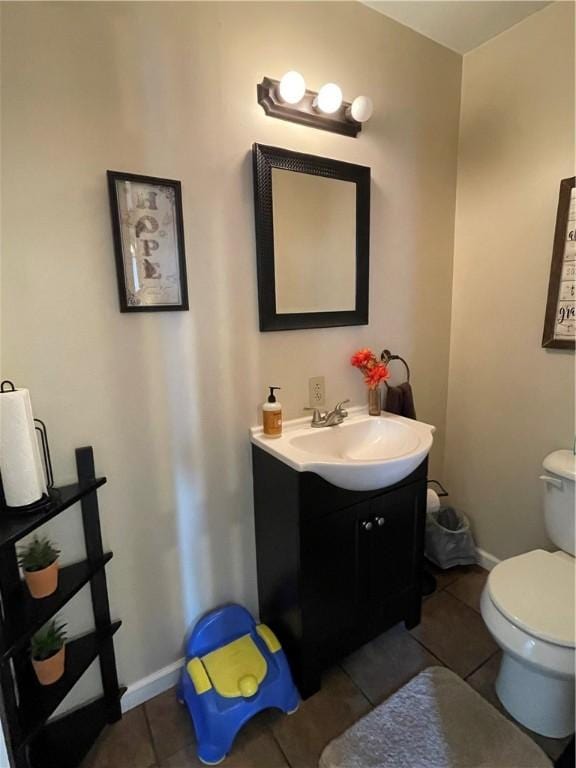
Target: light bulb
292,87
361,109
329,98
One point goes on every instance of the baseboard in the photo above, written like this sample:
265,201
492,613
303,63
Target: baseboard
151,686
486,560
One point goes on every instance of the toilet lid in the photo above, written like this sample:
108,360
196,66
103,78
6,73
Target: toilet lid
536,592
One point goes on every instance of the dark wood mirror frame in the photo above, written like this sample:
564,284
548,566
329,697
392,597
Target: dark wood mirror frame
266,158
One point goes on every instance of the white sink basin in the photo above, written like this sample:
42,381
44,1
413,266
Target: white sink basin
363,453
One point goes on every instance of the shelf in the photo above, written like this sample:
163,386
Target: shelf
41,701
27,615
35,741
15,525
66,740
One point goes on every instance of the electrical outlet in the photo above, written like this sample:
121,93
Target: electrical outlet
317,392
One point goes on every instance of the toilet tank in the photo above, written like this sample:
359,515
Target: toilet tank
559,514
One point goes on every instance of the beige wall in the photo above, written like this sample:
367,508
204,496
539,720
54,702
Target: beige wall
510,401
166,399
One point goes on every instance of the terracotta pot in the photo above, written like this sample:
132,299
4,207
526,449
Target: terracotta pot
43,583
50,670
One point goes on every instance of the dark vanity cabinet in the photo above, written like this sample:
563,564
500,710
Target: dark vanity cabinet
335,567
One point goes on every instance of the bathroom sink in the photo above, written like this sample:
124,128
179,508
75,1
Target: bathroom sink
363,453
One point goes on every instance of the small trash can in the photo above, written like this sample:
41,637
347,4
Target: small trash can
449,540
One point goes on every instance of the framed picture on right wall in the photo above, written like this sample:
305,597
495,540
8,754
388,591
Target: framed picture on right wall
560,319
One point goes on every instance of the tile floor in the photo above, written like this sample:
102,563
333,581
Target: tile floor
159,733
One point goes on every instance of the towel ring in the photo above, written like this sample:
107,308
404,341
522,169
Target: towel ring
386,356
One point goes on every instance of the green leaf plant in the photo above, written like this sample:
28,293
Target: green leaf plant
48,641
37,554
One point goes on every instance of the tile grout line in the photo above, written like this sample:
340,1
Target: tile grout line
462,602
481,665
267,727
355,684
445,663
421,644
279,745
446,587
151,737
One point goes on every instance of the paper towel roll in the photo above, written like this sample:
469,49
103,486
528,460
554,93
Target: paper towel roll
432,501
20,462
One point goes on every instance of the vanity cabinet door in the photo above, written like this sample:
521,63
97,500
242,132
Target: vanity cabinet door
397,526
329,576
389,529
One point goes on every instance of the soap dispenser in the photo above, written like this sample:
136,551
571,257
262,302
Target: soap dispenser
272,415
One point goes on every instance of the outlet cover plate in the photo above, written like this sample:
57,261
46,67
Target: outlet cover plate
317,392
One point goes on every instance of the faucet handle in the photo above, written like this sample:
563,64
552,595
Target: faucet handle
339,408
317,417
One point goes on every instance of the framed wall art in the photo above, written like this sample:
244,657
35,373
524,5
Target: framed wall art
148,230
560,319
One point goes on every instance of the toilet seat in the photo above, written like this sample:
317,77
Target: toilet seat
540,654
535,591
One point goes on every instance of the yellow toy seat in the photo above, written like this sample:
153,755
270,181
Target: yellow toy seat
236,669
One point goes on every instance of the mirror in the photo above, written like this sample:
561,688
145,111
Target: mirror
312,238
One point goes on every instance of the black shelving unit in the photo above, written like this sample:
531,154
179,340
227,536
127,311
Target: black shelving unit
34,741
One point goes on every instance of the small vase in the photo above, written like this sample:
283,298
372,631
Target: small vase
50,670
374,401
43,583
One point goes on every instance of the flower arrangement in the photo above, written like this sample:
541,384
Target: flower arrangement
373,370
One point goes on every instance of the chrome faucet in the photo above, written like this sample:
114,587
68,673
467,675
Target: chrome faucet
328,418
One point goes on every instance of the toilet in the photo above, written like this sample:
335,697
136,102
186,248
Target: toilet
528,607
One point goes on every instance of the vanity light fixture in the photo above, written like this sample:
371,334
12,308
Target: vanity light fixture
288,99
361,109
329,99
292,87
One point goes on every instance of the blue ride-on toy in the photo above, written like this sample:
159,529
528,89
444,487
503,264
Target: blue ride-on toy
234,669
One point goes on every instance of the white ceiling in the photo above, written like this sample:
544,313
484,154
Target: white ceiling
458,24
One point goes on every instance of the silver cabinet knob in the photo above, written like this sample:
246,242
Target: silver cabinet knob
367,525
380,521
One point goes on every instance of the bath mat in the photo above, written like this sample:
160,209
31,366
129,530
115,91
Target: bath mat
435,721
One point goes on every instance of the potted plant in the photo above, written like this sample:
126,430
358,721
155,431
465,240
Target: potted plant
48,649
39,561
374,372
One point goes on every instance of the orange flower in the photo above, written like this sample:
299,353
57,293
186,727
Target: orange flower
374,372
377,374
364,358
